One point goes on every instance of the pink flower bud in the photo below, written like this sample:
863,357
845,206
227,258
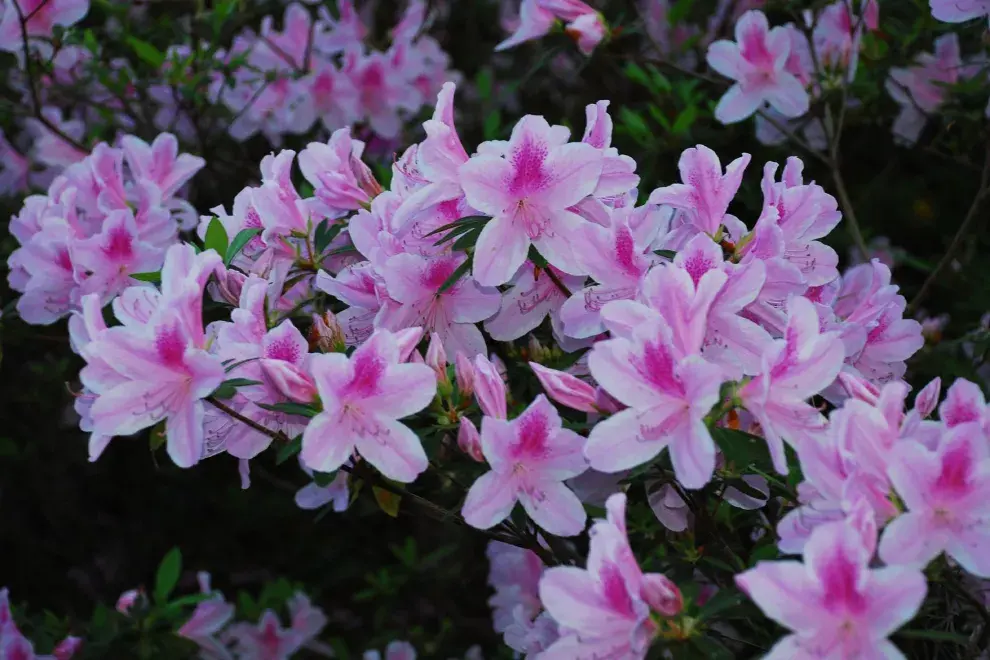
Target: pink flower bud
928,397
365,177
67,648
587,30
436,358
464,374
489,388
407,340
565,389
229,285
289,380
127,600
859,388
469,441
661,594
605,402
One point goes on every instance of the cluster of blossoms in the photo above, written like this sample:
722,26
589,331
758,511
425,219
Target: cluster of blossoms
110,215
14,645
322,70
219,637
273,81
778,72
536,18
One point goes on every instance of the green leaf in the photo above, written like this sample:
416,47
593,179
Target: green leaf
157,436
168,575
742,449
154,277
456,275
635,125
466,240
669,254
236,245
216,237
636,74
935,635
723,600
538,260
463,222
147,52
228,388
679,11
325,233
493,122
660,81
289,450
387,501
291,408
324,479
685,120
483,83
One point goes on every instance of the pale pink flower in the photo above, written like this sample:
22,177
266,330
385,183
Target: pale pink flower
341,181
705,193
835,604
530,458
964,402
669,392
796,367
922,89
110,257
160,162
314,496
534,22
947,495
161,360
396,650
757,62
414,282
209,618
527,190
515,576
267,640
958,11
42,16
533,296
587,30
382,95
362,398
617,257
605,609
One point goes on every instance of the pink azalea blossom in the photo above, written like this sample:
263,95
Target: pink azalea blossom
669,392
705,193
527,190
341,181
267,640
489,388
314,496
922,89
796,367
533,296
414,284
514,574
396,650
112,256
947,496
834,603
604,610
41,15
530,457
757,62
160,162
363,397
209,618
957,11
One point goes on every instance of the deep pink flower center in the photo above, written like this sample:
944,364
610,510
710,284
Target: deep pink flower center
529,175
657,366
841,593
437,272
119,245
368,371
614,590
956,470
170,345
283,349
532,433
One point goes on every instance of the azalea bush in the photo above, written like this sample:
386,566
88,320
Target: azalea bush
495,329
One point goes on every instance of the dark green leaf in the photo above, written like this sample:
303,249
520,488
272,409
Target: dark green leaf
742,449
154,277
236,245
669,254
935,635
463,222
168,575
324,479
467,240
325,233
685,120
723,600
216,237
291,408
537,258
147,52
456,275
492,124
289,450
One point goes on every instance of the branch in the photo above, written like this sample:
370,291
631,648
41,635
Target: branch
33,84
434,511
957,241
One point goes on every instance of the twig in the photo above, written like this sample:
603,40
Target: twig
434,511
33,84
957,241
556,280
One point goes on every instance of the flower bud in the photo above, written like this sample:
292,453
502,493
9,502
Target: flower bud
565,389
661,594
436,358
469,440
407,340
365,178
229,285
127,600
859,388
927,398
489,389
464,374
289,380
67,648
587,30
326,334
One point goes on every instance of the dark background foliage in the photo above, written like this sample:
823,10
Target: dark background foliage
73,533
